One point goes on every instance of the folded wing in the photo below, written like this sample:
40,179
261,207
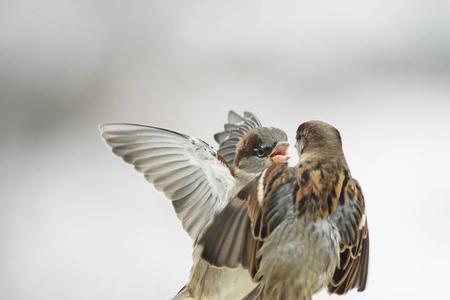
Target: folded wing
351,221
238,232
187,170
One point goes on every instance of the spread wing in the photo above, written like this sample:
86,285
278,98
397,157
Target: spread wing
350,219
238,232
234,130
186,169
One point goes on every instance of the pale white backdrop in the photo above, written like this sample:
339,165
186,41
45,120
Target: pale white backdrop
78,223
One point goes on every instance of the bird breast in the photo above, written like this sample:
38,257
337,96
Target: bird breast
300,255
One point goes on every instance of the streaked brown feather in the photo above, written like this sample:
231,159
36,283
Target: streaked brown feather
257,220
354,258
266,216
320,188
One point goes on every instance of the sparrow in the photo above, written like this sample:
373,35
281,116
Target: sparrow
200,181
297,229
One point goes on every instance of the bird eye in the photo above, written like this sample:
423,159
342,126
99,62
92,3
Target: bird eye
259,152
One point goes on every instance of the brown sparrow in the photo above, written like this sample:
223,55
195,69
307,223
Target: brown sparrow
297,229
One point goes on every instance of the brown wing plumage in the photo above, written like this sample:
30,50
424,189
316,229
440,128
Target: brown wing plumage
351,221
270,200
239,231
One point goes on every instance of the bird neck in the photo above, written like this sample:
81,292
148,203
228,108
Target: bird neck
243,177
323,155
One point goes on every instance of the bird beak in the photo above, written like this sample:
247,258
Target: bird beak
279,153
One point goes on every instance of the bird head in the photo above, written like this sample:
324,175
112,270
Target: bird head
259,148
317,138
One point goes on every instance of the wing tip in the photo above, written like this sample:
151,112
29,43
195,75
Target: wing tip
234,117
109,126
103,127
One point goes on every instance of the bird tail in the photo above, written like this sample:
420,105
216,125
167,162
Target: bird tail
183,294
258,294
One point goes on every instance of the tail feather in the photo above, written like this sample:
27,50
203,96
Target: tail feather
258,293
183,294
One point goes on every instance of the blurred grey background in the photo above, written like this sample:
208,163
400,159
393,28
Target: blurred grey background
76,222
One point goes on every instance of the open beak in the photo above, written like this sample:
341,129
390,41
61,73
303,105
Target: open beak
279,153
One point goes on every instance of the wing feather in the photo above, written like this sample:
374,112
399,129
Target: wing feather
351,222
239,230
184,168
234,130
224,239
